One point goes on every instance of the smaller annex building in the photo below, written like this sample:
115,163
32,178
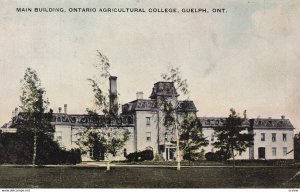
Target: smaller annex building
273,138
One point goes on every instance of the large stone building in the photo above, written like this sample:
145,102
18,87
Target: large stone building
273,138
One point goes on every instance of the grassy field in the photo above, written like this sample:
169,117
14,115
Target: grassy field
125,177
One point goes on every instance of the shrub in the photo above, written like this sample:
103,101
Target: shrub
210,156
147,155
17,149
218,156
140,156
222,155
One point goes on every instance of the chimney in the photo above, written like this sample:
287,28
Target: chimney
282,116
139,95
59,110
113,95
65,108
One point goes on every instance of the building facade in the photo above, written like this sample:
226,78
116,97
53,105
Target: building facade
143,118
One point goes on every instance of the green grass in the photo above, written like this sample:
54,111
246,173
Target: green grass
216,163
121,177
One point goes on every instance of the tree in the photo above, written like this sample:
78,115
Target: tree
178,116
191,138
233,136
104,136
297,146
35,122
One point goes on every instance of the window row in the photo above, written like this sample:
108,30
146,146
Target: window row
274,137
274,151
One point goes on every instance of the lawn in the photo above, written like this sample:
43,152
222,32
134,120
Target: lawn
125,177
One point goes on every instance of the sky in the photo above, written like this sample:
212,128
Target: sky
246,58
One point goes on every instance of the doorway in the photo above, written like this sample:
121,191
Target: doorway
170,153
261,153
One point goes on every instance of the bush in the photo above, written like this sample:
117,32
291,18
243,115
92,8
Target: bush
210,156
73,156
17,149
218,156
222,155
140,156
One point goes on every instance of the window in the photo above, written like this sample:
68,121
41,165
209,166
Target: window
284,150
148,121
148,136
284,137
274,137
263,137
274,151
240,153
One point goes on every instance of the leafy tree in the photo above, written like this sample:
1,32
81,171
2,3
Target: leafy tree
179,119
35,121
233,136
191,138
104,136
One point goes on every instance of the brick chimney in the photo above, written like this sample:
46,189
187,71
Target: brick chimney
139,95
113,95
65,108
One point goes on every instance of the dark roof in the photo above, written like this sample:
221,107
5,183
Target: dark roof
139,105
81,120
187,106
211,122
150,105
166,89
259,123
268,123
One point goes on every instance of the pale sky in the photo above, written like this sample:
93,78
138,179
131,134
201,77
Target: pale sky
247,58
